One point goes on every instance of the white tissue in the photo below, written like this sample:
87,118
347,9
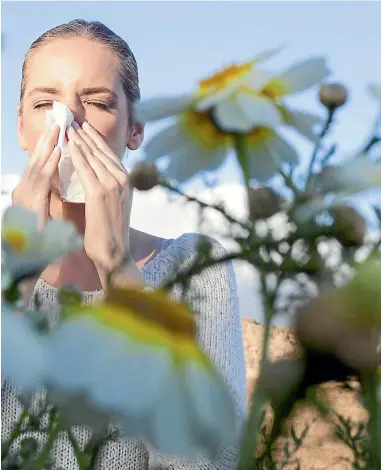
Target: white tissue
71,189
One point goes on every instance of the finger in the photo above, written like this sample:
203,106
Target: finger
117,171
52,164
42,179
45,146
81,143
93,154
83,168
99,141
82,134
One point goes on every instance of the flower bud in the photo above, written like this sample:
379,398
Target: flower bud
349,226
333,96
280,377
144,176
327,324
263,203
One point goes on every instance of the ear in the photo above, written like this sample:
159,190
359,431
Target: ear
20,128
136,136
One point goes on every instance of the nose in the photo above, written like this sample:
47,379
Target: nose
76,107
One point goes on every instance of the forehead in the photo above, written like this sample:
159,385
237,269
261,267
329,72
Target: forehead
64,63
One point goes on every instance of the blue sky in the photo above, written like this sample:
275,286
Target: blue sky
178,43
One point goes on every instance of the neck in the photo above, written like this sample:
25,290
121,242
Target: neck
71,212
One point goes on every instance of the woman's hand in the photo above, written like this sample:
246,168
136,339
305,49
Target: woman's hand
33,190
108,198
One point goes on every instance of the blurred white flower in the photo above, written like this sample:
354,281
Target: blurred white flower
375,90
195,144
23,350
239,99
136,356
26,248
338,182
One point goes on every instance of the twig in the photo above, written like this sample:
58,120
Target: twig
246,225
321,136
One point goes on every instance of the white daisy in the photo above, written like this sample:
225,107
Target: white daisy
23,351
337,183
239,99
136,357
26,248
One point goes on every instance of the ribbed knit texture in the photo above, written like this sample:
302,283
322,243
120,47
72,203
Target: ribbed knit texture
213,296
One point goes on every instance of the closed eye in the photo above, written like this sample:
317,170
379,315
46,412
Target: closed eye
99,105
43,104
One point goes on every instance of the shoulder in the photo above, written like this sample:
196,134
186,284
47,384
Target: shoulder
181,253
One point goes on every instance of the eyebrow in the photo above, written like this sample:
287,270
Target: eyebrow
83,92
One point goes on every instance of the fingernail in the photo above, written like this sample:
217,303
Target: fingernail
72,143
86,125
75,125
56,149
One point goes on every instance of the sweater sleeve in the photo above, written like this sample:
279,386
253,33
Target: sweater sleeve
212,295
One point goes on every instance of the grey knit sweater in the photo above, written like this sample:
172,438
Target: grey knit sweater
213,296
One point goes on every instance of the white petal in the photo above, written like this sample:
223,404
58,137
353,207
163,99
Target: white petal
16,216
281,151
76,347
261,164
354,175
172,422
189,160
257,79
23,351
246,111
214,98
163,143
134,379
305,74
60,238
230,116
160,108
212,405
303,122
267,54
261,111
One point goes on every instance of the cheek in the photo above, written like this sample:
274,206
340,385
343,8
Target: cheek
33,127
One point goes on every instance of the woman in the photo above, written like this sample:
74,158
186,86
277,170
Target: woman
92,71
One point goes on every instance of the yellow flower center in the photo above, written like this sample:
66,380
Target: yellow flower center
155,307
201,129
220,79
274,90
16,239
258,135
151,319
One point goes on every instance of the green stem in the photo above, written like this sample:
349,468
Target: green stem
370,382
251,435
322,134
82,459
14,434
53,430
240,148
